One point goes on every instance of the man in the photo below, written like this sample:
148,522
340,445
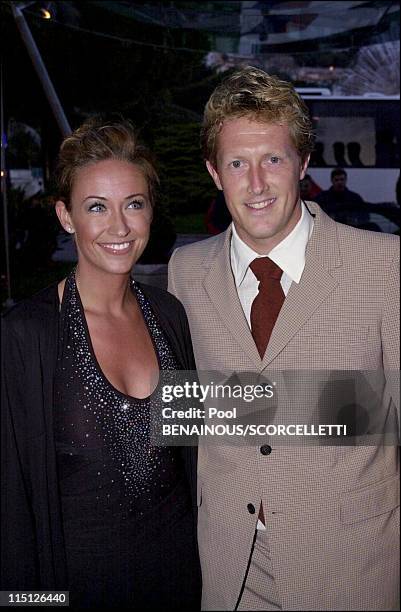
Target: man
342,204
292,528
338,194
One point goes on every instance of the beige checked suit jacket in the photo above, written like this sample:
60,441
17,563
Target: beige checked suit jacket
331,512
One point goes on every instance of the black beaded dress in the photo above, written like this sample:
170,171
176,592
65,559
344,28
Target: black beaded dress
127,517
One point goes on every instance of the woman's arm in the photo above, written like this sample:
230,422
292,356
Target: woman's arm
18,570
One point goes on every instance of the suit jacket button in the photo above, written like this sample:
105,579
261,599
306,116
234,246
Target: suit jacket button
251,509
265,449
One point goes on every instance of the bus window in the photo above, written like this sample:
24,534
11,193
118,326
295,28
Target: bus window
362,135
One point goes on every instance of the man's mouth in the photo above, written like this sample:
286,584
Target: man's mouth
261,204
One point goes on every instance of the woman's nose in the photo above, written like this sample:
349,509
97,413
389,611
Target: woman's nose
118,225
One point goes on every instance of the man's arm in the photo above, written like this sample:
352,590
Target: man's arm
390,332
171,274
391,321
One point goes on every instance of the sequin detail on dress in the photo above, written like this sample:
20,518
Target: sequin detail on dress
100,426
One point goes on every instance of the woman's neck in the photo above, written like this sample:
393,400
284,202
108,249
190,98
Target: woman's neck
102,292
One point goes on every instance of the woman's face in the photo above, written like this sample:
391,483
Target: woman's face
110,214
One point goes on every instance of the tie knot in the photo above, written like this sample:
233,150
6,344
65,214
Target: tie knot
263,267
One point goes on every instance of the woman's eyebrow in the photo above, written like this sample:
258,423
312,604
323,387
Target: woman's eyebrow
94,196
132,195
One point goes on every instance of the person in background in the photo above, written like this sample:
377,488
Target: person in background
88,504
287,289
217,216
335,200
308,188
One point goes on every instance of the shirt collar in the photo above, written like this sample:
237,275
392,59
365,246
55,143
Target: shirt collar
289,254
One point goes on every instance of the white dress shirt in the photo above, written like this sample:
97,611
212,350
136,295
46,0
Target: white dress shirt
289,255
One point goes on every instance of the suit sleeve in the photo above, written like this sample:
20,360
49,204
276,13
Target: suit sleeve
171,275
390,330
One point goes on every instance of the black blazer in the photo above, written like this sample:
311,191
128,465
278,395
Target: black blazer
32,546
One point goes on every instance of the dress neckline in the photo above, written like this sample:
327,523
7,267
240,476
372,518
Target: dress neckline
71,293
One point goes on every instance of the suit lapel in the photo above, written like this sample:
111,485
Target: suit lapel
314,288
299,305
303,299
220,286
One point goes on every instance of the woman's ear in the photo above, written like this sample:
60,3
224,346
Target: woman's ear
64,217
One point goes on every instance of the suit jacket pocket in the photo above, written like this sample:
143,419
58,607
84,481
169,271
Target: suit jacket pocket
345,333
371,501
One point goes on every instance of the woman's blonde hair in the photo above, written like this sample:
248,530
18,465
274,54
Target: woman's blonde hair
95,141
253,93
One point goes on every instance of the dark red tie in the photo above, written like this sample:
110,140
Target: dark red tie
264,310
268,302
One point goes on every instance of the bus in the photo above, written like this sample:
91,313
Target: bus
360,134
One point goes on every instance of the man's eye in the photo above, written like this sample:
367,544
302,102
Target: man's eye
236,163
136,204
274,159
96,207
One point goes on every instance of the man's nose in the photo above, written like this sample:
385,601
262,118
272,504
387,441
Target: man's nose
257,180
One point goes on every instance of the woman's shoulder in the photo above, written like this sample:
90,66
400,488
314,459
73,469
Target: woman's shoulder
40,307
173,320
163,300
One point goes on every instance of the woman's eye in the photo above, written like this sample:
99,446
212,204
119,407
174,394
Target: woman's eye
137,204
96,207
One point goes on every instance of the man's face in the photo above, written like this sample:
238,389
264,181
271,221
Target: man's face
339,182
259,170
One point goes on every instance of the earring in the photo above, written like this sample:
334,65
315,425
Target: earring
70,229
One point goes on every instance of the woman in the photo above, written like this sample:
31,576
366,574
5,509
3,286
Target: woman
89,504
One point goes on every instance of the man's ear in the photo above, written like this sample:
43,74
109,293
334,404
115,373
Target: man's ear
304,167
213,173
64,217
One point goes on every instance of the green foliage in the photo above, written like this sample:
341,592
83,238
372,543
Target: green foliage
190,224
185,184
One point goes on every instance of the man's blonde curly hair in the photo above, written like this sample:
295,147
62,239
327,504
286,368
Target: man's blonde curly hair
251,92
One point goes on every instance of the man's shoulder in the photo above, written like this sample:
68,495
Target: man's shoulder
324,195
354,195
362,249
377,240
162,299
367,245
196,252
